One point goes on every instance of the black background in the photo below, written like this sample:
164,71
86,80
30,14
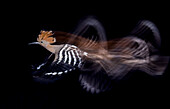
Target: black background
23,23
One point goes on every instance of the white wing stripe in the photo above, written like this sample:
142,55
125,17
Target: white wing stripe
65,53
69,58
79,64
60,57
74,57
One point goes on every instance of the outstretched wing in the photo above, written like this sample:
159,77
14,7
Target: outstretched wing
93,76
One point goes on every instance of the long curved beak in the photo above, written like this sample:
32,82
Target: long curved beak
33,43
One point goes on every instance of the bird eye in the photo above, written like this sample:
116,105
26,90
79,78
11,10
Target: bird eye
41,41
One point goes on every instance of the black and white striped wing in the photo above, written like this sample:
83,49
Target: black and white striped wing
65,61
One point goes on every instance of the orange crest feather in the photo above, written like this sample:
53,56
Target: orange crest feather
45,35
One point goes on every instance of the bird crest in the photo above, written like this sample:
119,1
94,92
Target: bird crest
45,35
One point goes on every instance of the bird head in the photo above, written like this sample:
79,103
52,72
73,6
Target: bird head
45,38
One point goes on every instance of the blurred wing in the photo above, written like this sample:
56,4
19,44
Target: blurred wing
94,79
148,31
91,29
